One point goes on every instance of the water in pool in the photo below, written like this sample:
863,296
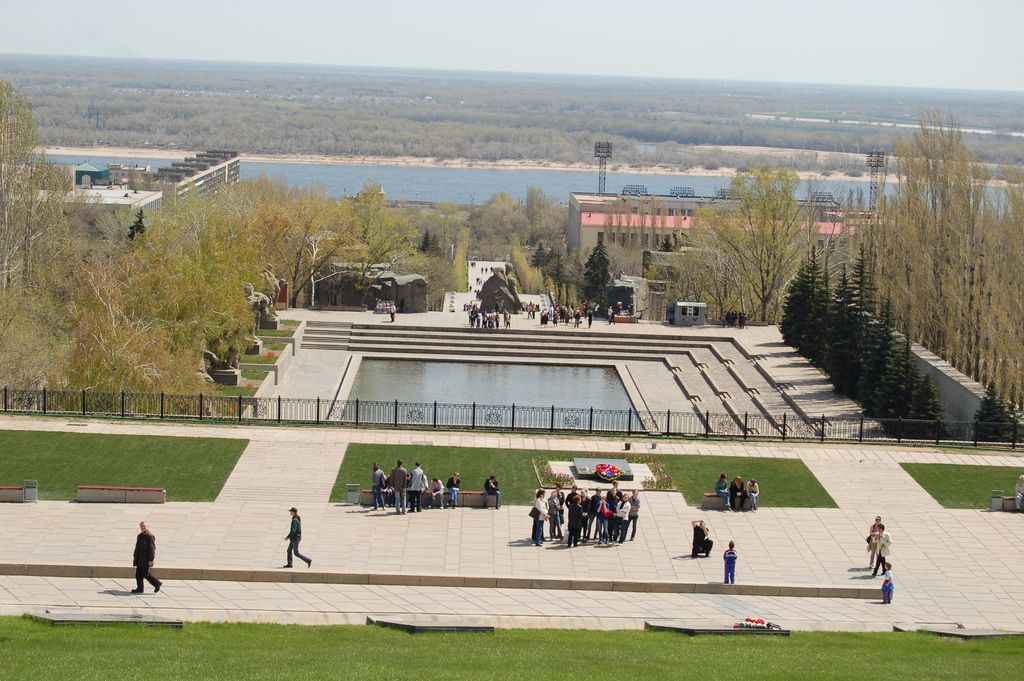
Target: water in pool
496,384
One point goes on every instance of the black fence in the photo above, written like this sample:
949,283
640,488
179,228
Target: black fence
474,416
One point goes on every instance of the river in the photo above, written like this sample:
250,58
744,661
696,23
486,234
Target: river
468,185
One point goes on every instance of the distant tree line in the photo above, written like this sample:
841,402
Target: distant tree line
267,109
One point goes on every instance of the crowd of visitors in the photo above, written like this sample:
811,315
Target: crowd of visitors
606,516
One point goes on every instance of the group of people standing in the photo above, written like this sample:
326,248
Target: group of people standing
736,319
608,516
879,549
568,314
481,319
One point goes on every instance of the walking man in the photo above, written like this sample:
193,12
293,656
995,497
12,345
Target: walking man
294,537
145,554
400,480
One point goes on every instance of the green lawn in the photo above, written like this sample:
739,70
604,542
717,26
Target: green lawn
190,468
254,375
226,652
783,482
236,390
514,468
956,486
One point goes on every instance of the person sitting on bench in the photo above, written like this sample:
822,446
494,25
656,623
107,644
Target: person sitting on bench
737,494
722,488
491,489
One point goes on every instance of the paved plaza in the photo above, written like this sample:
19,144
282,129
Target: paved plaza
950,565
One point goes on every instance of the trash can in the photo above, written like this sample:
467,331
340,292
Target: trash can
31,490
995,500
352,494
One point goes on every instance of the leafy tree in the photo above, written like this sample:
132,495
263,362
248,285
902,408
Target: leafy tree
994,411
763,231
596,273
137,228
32,222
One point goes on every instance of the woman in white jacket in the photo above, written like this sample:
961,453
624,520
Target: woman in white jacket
539,515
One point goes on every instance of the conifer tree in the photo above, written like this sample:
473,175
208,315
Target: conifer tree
843,359
814,342
540,256
993,411
924,403
891,397
876,353
794,309
137,228
596,273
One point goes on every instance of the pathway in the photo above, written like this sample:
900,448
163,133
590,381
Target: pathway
942,573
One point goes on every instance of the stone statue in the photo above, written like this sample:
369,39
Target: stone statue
262,306
499,291
271,284
225,372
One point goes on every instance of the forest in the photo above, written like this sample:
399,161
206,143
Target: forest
348,111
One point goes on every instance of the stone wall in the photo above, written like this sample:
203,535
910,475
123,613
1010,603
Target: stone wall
960,395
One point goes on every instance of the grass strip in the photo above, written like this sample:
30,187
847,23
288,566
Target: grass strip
783,482
189,468
959,486
227,652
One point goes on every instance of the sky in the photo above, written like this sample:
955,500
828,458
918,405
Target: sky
950,44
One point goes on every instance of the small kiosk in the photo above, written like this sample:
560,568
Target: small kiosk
689,314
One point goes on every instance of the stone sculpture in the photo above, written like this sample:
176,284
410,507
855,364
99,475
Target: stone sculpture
263,308
499,291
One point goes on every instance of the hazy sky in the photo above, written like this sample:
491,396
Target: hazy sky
926,43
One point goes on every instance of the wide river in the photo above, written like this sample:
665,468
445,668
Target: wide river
467,185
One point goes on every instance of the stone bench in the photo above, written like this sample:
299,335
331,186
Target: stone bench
121,495
1009,504
626,319
474,498
713,502
14,495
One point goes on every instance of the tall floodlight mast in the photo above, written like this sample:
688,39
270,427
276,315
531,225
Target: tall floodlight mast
876,164
602,152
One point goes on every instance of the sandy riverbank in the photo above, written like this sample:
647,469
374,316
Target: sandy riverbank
101,153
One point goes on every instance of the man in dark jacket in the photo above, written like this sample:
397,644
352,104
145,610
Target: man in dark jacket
575,520
145,554
294,537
